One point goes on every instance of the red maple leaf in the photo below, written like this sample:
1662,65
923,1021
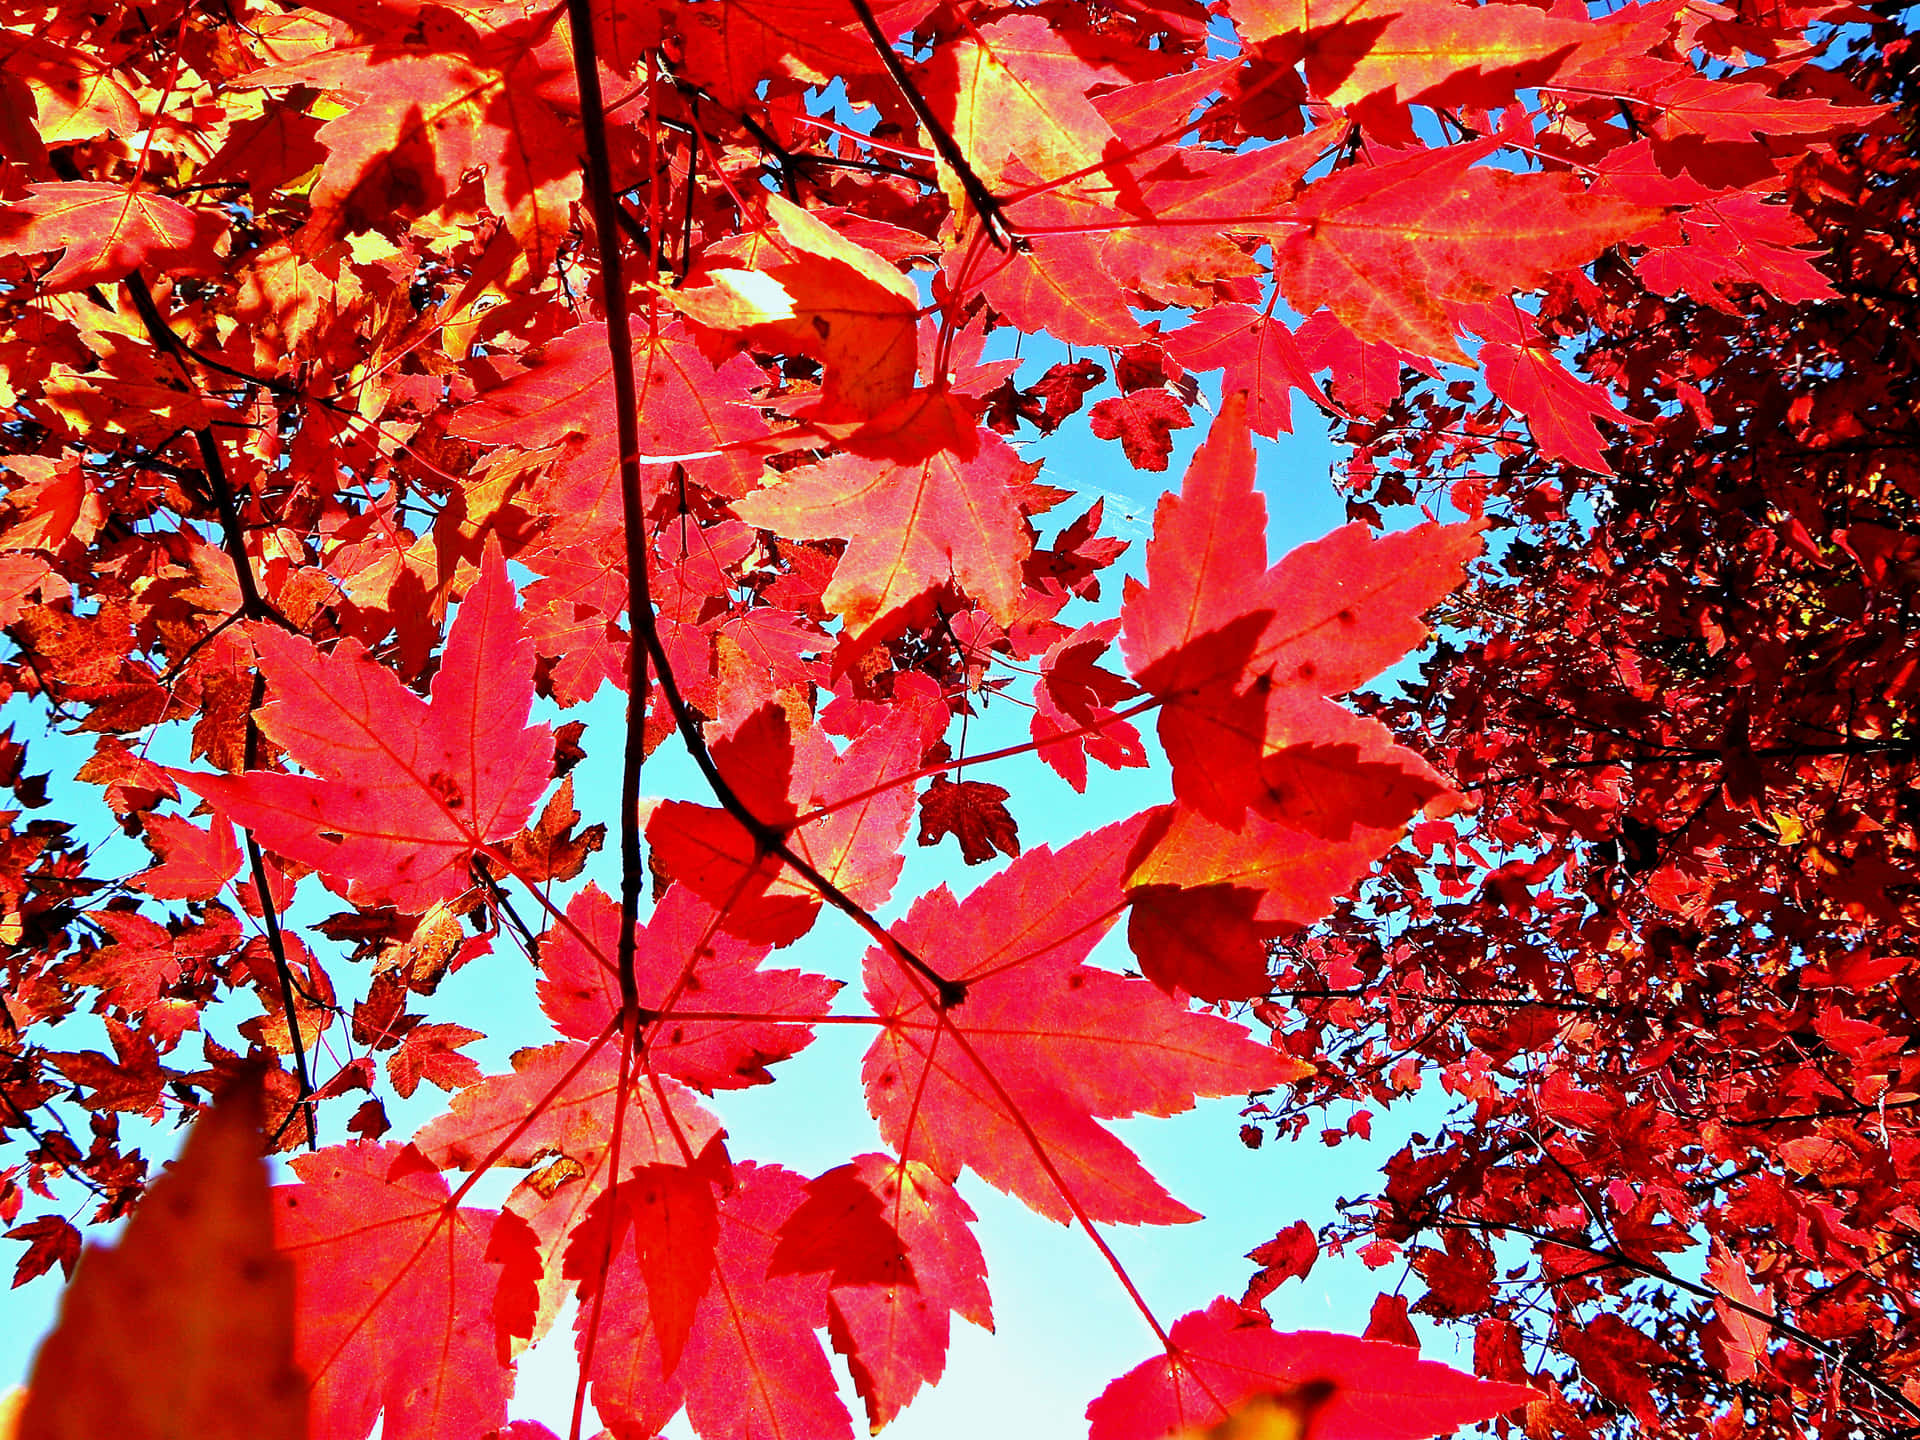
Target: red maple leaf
1223,1355
404,791
1012,1083
687,961
400,1312
106,231
746,1323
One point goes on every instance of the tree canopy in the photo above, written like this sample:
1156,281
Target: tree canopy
385,379
1665,964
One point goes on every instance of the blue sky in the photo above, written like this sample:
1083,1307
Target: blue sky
1064,1326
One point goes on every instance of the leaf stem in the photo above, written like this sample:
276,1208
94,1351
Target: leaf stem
1006,752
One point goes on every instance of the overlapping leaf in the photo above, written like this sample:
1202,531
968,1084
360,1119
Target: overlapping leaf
404,791
1012,1084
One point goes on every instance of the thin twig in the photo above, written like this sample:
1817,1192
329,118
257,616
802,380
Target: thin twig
212,466
276,942
626,409
644,643
984,201
1613,1257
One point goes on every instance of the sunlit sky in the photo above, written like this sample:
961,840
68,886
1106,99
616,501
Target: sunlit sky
1064,1325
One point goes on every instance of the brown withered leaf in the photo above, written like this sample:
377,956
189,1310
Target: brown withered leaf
548,849
974,812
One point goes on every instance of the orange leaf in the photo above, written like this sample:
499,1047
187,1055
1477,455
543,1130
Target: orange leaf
105,232
187,1326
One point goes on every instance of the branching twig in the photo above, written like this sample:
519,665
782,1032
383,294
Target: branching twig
644,644
1615,1258
253,604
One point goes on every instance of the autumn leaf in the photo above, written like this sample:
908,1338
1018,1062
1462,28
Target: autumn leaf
1223,1356
685,960
404,791
841,813
1012,1084
1143,422
1245,655
1739,1309
428,106
399,1313
564,398
747,1323
1017,89
187,1325
553,1116
949,513
194,863
1384,245
106,231
974,812
894,1241
808,290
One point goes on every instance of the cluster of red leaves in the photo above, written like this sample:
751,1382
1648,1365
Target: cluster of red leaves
326,323
1669,967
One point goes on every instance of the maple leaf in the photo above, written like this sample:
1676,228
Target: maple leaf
974,812
950,513
894,1241
1259,356
565,398
188,1323
51,1240
675,1220
553,1116
405,791
747,1323
855,843
683,960
1073,714
1747,1333
399,1314
1224,1355
1384,245
59,504
1439,52
1013,1083
105,232
1018,88
1143,422
812,291
1244,655
1560,410
429,107
432,1053
194,864
733,49
550,849
1289,1255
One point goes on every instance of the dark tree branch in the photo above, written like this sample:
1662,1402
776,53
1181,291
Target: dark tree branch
276,942
253,604
985,202
644,643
